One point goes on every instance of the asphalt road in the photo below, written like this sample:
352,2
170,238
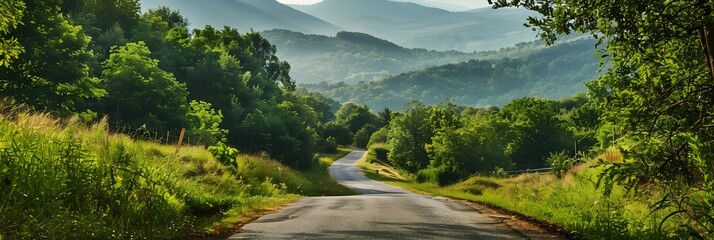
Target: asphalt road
381,212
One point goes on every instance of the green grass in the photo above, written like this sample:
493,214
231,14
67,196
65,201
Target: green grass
61,179
574,202
319,176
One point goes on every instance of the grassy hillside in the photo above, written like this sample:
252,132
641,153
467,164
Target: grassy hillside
574,202
63,180
494,79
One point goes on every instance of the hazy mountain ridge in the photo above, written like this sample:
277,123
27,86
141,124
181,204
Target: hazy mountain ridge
416,26
245,15
404,23
553,72
352,57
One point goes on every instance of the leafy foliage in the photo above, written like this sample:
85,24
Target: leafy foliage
140,93
560,163
225,154
448,143
657,89
206,122
51,62
9,47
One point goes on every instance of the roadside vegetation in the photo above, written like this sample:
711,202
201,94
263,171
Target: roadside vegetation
90,90
62,179
575,202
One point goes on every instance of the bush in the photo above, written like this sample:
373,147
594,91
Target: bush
361,138
225,154
379,152
442,176
560,163
339,131
328,145
380,136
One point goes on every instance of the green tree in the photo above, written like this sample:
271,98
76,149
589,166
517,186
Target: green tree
173,18
408,135
538,131
357,116
52,70
325,108
657,88
108,13
140,93
380,136
12,12
339,131
361,137
205,123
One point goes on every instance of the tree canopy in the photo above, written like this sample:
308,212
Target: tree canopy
657,90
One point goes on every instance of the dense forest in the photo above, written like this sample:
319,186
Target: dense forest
447,143
150,75
493,79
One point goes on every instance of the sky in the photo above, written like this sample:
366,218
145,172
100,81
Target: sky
450,4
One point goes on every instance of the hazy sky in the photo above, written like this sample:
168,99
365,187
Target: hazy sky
463,3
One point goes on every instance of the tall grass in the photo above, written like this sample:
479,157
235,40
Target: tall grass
574,202
60,179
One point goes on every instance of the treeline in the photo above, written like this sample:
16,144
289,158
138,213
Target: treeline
447,143
554,72
148,73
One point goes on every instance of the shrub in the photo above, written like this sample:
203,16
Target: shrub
361,138
380,136
442,175
225,154
328,145
379,152
560,163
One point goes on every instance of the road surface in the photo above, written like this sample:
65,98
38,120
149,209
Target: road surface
380,212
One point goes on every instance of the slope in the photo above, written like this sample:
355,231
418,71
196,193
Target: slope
245,15
416,26
552,72
352,57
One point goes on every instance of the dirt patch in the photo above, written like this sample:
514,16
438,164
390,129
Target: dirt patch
529,227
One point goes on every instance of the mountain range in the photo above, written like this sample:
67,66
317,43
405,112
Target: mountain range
352,57
415,26
492,79
245,15
405,23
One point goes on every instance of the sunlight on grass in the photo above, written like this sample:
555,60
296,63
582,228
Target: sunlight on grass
62,179
578,205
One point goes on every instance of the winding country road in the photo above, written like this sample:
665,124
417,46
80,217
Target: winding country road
381,212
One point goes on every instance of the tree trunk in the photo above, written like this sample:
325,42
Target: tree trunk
707,37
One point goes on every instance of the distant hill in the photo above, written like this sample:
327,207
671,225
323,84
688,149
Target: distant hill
551,72
352,57
245,15
416,26
449,5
